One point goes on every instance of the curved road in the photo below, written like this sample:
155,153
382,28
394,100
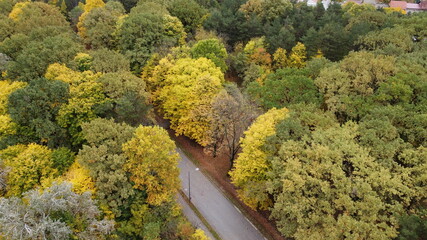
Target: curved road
219,212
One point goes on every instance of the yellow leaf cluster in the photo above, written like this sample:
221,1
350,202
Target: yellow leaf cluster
61,72
199,234
30,166
280,59
188,89
390,10
153,163
85,92
80,178
17,10
91,4
251,166
7,126
298,56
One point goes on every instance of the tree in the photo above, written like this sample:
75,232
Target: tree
28,16
80,179
332,39
62,159
181,97
297,56
128,99
266,10
283,88
390,41
349,86
189,12
249,174
8,127
32,62
105,60
412,226
87,8
211,49
35,108
55,213
29,166
279,35
328,186
280,59
104,159
99,25
153,164
143,33
86,94
229,21
232,114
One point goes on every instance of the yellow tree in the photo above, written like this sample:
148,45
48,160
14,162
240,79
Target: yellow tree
189,87
79,176
30,166
280,59
7,126
298,56
251,167
85,93
153,163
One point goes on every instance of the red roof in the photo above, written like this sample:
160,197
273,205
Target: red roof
398,4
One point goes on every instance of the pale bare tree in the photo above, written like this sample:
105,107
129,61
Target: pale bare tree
232,113
38,215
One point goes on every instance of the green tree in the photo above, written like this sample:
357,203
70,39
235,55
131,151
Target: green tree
328,186
390,41
127,98
143,33
211,49
283,88
28,16
153,164
33,60
105,61
104,159
35,108
348,88
100,25
189,12
266,10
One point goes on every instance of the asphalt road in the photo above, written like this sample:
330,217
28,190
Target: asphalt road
219,212
192,216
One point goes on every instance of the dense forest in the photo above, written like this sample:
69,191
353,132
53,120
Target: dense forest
322,114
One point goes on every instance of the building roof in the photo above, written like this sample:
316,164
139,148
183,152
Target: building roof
412,6
398,4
